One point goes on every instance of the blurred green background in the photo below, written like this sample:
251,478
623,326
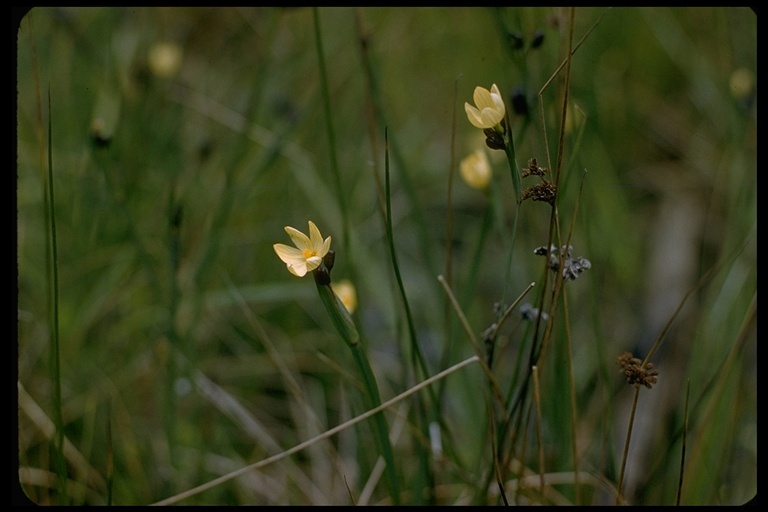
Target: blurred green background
185,139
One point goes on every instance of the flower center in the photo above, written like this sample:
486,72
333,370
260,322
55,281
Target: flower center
308,254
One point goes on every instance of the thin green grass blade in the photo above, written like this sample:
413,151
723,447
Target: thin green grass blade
417,357
110,453
336,175
59,462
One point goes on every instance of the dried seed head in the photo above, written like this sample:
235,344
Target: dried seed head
528,312
572,267
542,251
533,169
635,372
540,192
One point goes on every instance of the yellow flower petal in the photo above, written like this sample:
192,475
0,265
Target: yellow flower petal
345,291
164,58
293,259
475,170
308,253
473,115
315,238
489,109
313,262
299,270
299,239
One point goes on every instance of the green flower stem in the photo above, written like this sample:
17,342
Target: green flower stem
339,315
380,422
346,327
509,150
59,461
514,169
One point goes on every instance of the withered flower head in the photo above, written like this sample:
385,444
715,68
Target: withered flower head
635,372
528,312
533,169
543,191
572,267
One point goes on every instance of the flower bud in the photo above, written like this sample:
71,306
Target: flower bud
329,259
494,139
322,276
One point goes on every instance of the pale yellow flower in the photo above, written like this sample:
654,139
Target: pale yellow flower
475,169
308,253
164,58
489,110
742,83
345,291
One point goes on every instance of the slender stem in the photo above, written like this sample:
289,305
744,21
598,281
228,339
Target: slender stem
170,417
372,106
514,170
346,328
702,280
473,339
447,318
382,430
340,317
508,311
415,348
331,136
572,396
539,430
110,453
685,436
417,211
495,451
328,433
566,90
572,52
626,444
448,202
417,358
61,469
471,280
